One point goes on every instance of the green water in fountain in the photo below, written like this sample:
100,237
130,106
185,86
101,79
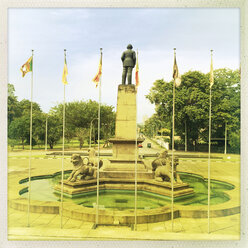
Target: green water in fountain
42,190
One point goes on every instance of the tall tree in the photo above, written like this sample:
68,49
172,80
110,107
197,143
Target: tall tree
19,129
54,126
79,114
13,104
192,104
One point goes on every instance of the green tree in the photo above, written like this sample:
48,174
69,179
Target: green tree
79,114
152,126
55,129
25,107
192,104
14,110
19,129
226,103
82,134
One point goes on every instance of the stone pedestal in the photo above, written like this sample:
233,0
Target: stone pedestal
126,112
122,164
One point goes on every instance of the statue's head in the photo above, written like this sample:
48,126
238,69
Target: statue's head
76,159
129,46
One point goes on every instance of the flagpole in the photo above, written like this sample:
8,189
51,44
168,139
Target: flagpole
99,115
63,154
172,163
136,153
46,136
136,148
30,142
225,137
209,146
186,149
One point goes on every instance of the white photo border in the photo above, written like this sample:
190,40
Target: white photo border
5,5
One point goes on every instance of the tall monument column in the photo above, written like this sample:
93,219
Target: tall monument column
125,125
122,164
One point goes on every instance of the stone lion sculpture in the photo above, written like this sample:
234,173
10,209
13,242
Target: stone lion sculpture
93,160
163,168
85,167
161,160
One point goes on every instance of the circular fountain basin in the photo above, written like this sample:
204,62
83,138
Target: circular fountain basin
117,199
116,206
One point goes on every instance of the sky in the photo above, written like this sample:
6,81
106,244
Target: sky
155,32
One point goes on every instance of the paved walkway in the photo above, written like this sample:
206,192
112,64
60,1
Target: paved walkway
47,226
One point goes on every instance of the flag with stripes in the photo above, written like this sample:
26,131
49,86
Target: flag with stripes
27,67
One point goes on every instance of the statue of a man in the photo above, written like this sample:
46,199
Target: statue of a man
129,60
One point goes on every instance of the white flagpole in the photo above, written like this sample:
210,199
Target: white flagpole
172,162
136,154
46,136
30,147
135,201
209,150
99,120
186,149
63,154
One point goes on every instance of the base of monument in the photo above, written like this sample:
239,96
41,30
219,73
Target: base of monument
124,168
126,174
75,189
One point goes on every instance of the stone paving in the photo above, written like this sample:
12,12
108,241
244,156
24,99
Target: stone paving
47,226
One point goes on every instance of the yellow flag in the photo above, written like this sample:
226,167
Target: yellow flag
211,73
65,73
97,77
176,75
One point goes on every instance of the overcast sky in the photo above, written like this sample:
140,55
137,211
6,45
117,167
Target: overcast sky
154,32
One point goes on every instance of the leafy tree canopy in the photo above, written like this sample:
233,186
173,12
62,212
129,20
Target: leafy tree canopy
192,104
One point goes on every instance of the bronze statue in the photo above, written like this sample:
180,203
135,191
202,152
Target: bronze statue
128,60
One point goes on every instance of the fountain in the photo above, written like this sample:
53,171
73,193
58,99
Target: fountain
117,181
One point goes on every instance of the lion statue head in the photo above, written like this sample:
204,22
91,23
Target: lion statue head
77,161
